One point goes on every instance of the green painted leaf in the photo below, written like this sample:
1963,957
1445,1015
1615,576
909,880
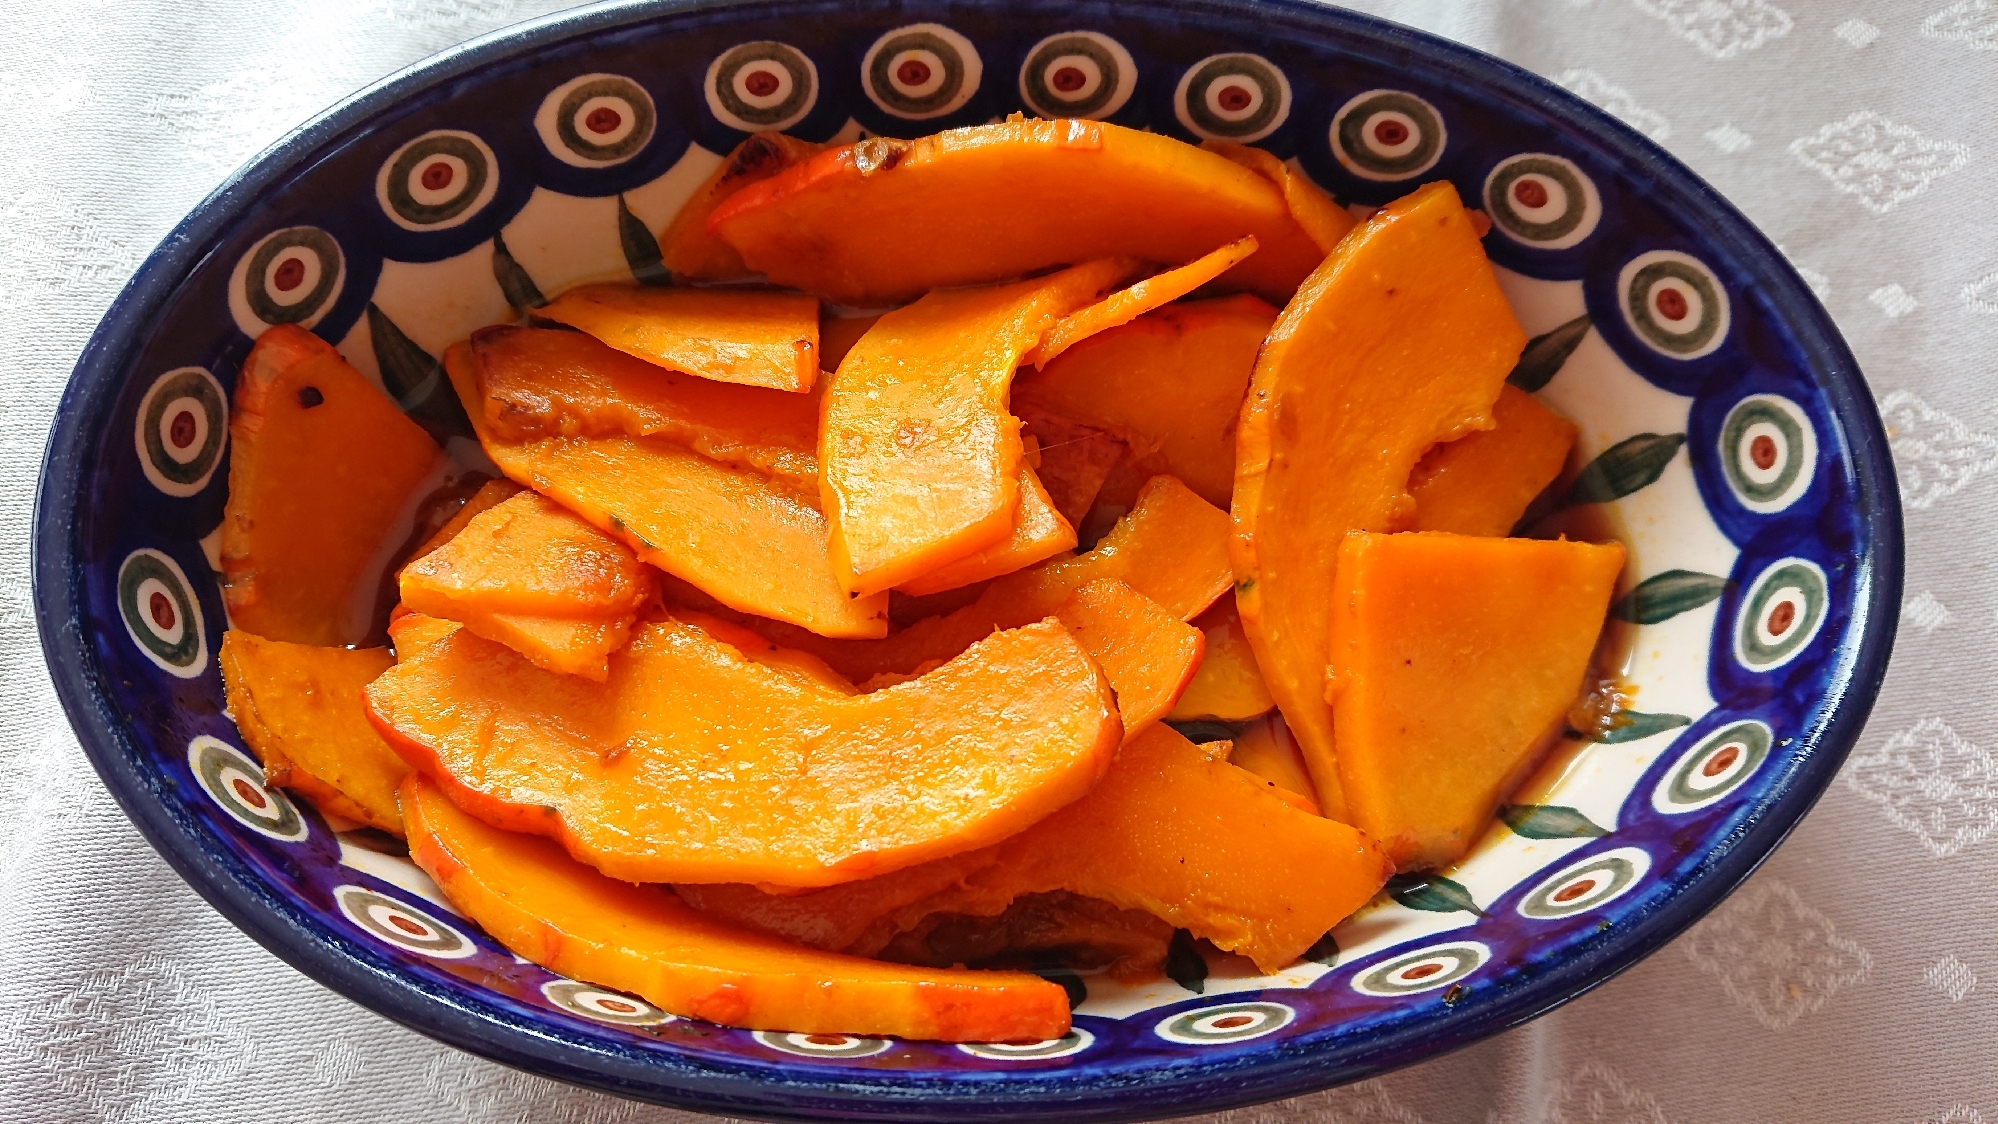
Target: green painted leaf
1635,724
1664,596
641,249
1545,354
1433,893
1204,730
1324,951
416,380
1550,821
1625,467
1184,963
515,285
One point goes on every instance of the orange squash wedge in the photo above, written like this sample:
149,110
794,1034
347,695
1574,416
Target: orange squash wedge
1268,894
1264,747
1169,384
1146,653
1075,459
534,383
299,709
560,914
490,494
1320,216
1400,340
323,470
727,335
1039,532
1126,305
919,461
753,546
884,220
685,246
1228,687
1455,660
695,763
1483,482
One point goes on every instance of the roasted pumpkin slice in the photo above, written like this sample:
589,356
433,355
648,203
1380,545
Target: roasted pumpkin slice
299,709
1170,384
726,335
1320,216
1039,532
1228,687
1075,459
324,469
1171,548
1483,482
883,220
490,494
1268,894
535,383
555,911
1400,340
1455,660
696,763
1126,305
753,546
1146,653
919,461
685,246
1264,747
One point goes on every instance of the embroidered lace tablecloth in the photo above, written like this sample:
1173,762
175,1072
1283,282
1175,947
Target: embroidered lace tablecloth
1853,979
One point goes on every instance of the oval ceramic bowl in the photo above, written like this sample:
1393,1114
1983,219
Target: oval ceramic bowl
1724,421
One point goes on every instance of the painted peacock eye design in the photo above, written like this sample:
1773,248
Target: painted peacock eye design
1674,303
1542,201
921,71
181,429
437,181
1078,74
1388,135
1234,97
1768,452
291,276
762,86
596,120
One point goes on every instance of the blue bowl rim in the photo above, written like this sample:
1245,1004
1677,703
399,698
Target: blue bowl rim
721,1086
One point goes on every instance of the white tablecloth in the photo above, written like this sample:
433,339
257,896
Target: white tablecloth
1853,979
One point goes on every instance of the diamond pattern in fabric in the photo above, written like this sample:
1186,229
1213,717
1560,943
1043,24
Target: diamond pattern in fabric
1883,163
1776,956
1932,783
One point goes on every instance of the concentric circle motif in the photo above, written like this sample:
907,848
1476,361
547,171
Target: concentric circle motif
614,1007
762,85
1078,74
291,276
1781,612
1715,766
437,181
1225,1022
1768,452
1674,303
183,424
1074,1042
1235,97
921,71
161,613
401,924
596,120
822,1045
1542,201
1388,135
236,784
1596,880
1425,969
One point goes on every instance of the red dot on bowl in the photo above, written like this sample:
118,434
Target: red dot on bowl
1390,132
1574,890
1671,304
437,176
828,1039
1762,451
1782,617
1068,79
1721,762
160,607
603,119
290,274
181,430
913,72
1234,98
407,926
248,794
760,83
1422,971
1232,1022
1530,193
618,1006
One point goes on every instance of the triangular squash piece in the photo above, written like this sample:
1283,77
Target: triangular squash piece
1482,483
752,338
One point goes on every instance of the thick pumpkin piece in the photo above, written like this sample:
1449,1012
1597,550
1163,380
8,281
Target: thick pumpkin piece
324,470
727,335
1400,340
919,458
299,708
751,544
560,914
1039,532
1146,653
1454,662
884,220
1228,687
1161,833
695,763
1126,305
1318,213
1483,482
538,382
1169,383
685,246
